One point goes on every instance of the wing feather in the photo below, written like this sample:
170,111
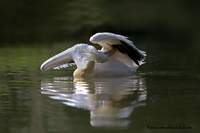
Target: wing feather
132,52
120,42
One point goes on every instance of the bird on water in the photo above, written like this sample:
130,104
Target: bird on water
118,57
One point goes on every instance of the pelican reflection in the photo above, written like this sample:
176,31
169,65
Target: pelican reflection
110,100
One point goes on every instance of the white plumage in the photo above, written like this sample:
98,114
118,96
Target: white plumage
118,57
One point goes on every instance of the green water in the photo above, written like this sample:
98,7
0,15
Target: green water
164,93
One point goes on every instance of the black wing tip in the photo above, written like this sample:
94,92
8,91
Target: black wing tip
131,51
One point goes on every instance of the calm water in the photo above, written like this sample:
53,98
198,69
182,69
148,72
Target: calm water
164,93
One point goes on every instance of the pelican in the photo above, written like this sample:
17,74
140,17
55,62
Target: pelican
118,57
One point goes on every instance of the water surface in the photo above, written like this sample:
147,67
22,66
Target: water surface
164,93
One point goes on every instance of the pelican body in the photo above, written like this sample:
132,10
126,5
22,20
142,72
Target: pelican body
118,57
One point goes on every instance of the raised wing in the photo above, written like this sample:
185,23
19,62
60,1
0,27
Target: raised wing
135,54
125,46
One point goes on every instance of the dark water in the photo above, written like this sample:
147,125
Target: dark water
163,96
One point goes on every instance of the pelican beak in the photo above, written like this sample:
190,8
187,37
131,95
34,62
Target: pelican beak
48,64
57,60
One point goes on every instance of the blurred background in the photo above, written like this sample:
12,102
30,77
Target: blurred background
63,20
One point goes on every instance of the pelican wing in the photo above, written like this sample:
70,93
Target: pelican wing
81,54
125,46
132,52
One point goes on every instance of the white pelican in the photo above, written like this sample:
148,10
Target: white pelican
118,57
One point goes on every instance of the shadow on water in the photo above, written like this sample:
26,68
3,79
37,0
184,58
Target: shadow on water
110,101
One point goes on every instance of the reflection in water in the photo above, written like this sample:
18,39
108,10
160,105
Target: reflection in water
109,100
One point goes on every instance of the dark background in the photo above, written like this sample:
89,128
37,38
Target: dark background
44,21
